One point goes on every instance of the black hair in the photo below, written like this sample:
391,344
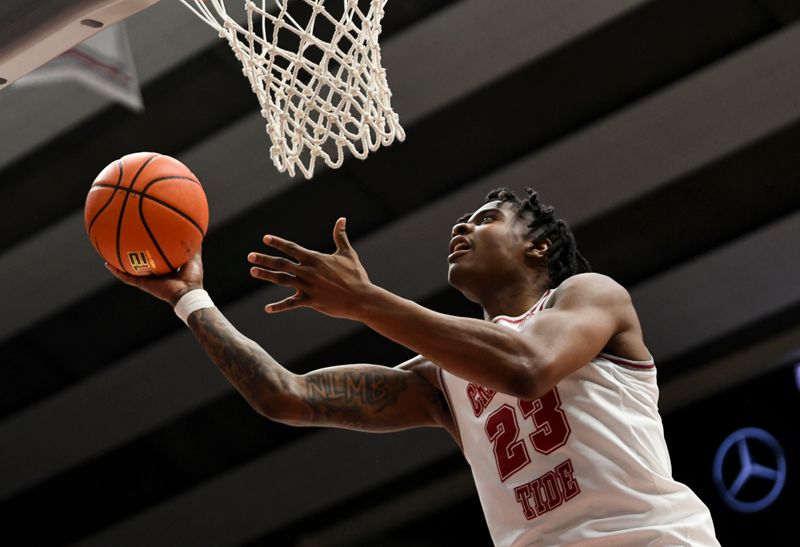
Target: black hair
563,258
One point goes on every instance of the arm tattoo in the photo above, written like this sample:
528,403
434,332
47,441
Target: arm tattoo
355,398
366,388
243,362
352,396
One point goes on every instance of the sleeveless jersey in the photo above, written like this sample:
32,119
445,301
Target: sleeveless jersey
584,464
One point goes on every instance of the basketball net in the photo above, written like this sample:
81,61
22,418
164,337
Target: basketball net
320,84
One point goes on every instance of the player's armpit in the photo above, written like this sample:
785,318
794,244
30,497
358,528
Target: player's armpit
367,398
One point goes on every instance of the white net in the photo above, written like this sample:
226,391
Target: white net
317,73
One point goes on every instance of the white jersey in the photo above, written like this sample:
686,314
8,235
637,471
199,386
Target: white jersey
584,464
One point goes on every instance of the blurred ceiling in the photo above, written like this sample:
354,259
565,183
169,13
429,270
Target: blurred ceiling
665,131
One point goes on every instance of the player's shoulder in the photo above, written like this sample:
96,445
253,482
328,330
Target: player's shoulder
590,288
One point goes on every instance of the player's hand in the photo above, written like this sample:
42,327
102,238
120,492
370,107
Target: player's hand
169,287
333,284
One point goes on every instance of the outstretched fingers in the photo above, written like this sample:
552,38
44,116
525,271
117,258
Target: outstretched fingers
274,263
320,280
340,237
297,300
274,269
298,252
276,278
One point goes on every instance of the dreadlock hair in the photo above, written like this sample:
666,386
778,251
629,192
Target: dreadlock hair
563,258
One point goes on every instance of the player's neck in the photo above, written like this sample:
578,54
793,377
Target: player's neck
514,300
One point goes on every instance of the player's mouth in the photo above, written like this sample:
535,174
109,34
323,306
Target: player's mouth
459,245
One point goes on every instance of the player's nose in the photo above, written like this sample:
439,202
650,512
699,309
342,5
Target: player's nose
460,229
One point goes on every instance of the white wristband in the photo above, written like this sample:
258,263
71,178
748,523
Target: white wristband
194,300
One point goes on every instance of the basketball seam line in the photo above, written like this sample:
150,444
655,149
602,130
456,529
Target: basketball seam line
147,226
160,202
152,237
110,199
125,202
106,183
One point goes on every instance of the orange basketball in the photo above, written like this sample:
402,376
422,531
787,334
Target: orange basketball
146,214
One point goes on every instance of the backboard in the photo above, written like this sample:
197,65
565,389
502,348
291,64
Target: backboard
33,32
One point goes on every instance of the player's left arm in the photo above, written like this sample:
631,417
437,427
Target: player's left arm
587,312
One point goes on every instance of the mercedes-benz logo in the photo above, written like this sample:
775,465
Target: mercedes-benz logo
773,471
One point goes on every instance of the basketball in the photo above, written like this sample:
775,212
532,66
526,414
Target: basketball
146,214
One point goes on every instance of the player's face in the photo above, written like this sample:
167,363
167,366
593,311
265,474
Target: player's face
487,250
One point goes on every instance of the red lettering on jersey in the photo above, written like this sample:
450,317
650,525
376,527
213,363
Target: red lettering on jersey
523,494
550,422
536,492
565,478
509,452
552,428
479,397
547,491
550,490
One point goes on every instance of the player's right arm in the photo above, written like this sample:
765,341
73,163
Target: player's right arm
360,397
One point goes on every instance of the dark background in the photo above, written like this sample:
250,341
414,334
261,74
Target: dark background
665,131
769,403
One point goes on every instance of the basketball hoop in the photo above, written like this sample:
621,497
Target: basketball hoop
317,74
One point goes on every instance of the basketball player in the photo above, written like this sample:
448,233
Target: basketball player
552,397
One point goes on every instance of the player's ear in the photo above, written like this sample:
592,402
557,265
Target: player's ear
538,250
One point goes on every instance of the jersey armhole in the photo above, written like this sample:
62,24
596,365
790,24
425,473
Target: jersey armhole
449,400
628,363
